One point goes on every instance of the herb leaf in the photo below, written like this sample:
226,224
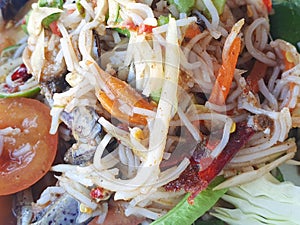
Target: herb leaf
183,6
185,213
285,21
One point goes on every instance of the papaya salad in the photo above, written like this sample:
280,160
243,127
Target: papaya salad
145,107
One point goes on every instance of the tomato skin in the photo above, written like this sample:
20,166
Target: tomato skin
19,171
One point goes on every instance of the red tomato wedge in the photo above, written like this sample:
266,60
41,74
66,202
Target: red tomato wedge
28,153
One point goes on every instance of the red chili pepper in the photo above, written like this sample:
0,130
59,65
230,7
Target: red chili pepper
236,141
99,193
258,72
54,28
268,4
194,180
145,28
21,74
130,25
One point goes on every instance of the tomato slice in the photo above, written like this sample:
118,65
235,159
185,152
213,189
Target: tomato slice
29,152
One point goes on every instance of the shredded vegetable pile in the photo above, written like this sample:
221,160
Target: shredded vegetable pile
152,100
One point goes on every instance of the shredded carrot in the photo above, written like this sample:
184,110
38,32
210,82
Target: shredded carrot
113,107
192,30
225,74
258,72
122,91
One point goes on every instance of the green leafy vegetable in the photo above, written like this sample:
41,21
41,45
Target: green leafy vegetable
80,9
24,25
213,221
123,31
49,19
277,174
162,20
52,4
185,213
263,201
120,30
219,4
285,21
183,6
155,95
186,6
8,51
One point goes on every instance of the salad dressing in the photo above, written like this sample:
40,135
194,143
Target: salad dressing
16,156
